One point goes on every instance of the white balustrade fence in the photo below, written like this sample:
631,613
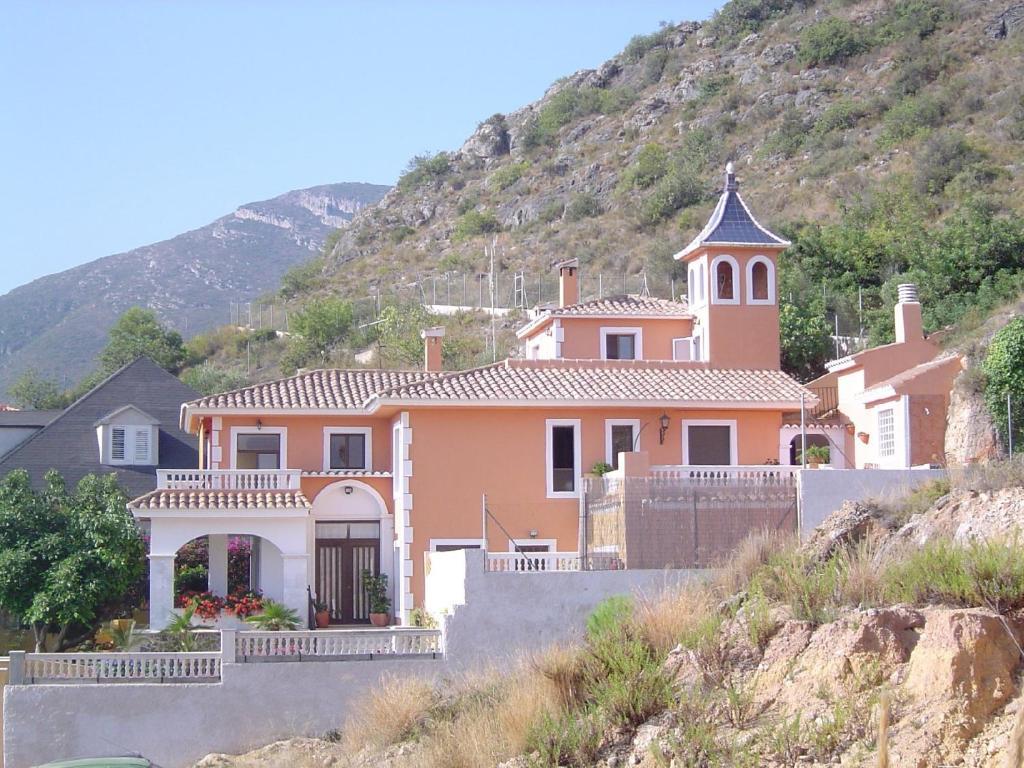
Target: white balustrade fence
531,562
228,479
333,644
113,667
720,475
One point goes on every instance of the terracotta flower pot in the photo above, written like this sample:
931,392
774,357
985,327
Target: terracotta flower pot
379,619
323,619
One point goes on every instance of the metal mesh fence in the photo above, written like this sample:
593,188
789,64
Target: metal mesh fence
674,523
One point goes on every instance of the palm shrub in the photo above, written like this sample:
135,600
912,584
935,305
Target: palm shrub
275,617
182,628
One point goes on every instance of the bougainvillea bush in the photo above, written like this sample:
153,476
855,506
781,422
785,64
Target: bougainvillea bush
240,603
191,564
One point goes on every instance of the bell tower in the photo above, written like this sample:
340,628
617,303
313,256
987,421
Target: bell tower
732,286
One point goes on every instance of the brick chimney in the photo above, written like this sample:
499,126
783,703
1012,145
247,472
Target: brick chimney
568,282
432,340
909,326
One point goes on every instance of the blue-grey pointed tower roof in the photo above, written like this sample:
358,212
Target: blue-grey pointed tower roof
732,223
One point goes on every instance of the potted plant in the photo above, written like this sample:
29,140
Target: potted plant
323,616
376,586
815,455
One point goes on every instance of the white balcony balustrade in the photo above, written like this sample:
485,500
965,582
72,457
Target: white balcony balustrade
726,475
228,479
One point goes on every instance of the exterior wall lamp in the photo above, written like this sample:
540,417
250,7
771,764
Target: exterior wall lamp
259,424
663,428
348,490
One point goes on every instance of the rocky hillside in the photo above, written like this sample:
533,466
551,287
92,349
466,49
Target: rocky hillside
855,126
896,629
58,323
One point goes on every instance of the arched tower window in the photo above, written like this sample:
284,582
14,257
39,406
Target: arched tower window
760,281
725,273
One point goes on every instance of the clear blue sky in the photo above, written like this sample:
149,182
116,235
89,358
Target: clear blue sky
124,123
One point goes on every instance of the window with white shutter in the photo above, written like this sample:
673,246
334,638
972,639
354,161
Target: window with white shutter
142,435
117,443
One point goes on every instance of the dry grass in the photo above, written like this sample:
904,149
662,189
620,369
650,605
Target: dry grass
664,619
392,713
993,476
489,721
736,573
862,584
884,705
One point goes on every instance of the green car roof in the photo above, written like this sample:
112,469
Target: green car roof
102,762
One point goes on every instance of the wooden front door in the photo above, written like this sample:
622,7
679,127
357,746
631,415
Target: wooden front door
339,568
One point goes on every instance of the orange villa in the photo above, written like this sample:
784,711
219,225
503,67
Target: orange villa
336,471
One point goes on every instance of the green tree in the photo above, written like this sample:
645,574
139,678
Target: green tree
138,333
323,322
32,390
806,342
207,380
399,334
1004,377
64,555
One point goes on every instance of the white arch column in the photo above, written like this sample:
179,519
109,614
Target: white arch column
161,590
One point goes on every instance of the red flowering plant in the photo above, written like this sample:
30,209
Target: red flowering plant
207,605
243,602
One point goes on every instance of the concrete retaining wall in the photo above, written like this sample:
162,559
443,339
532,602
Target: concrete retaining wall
493,618
823,491
488,618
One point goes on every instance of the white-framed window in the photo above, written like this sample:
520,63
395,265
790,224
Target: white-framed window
563,458
450,545
682,349
131,444
348,448
533,545
725,280
620,436
259,447
619,343
760,281
709,442
887,432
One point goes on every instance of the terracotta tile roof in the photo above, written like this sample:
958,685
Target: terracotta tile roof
200,499
524,381
624,304
332,388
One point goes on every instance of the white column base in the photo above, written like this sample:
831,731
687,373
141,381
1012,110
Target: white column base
294,568
218,563
161,590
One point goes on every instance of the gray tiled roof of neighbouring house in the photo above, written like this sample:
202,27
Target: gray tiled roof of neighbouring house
68,443
27,418
732,223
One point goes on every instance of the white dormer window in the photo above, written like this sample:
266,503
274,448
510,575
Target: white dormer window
131,444
128,437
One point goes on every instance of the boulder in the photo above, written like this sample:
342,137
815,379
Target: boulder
1007,23
489,141
850,524
962,670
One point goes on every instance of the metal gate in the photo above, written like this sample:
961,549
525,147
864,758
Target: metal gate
339,568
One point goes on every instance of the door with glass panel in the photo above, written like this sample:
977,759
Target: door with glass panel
343,552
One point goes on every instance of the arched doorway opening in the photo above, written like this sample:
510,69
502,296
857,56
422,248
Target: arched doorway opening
352,534
812,440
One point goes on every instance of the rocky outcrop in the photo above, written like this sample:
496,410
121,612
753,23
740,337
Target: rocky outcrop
970,433
1009,22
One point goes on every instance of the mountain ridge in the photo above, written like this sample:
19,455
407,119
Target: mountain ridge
56,324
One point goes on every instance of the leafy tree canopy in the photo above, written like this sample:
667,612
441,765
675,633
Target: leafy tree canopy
138,332
806,340
32,390
64,555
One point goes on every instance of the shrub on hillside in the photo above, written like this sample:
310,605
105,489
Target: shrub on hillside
678,189
831,41
911,19
839,116
789,137
640,45
650,165
946,155
654,66
474,223
569,104
909,117
507,175
582,206
741,17
425,169
1004,373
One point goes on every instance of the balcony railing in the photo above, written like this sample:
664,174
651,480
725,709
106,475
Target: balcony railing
828,402
712,475
228,479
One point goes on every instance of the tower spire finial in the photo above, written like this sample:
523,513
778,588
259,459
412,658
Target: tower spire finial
730,178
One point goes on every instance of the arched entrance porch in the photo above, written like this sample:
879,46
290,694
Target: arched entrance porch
352,531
